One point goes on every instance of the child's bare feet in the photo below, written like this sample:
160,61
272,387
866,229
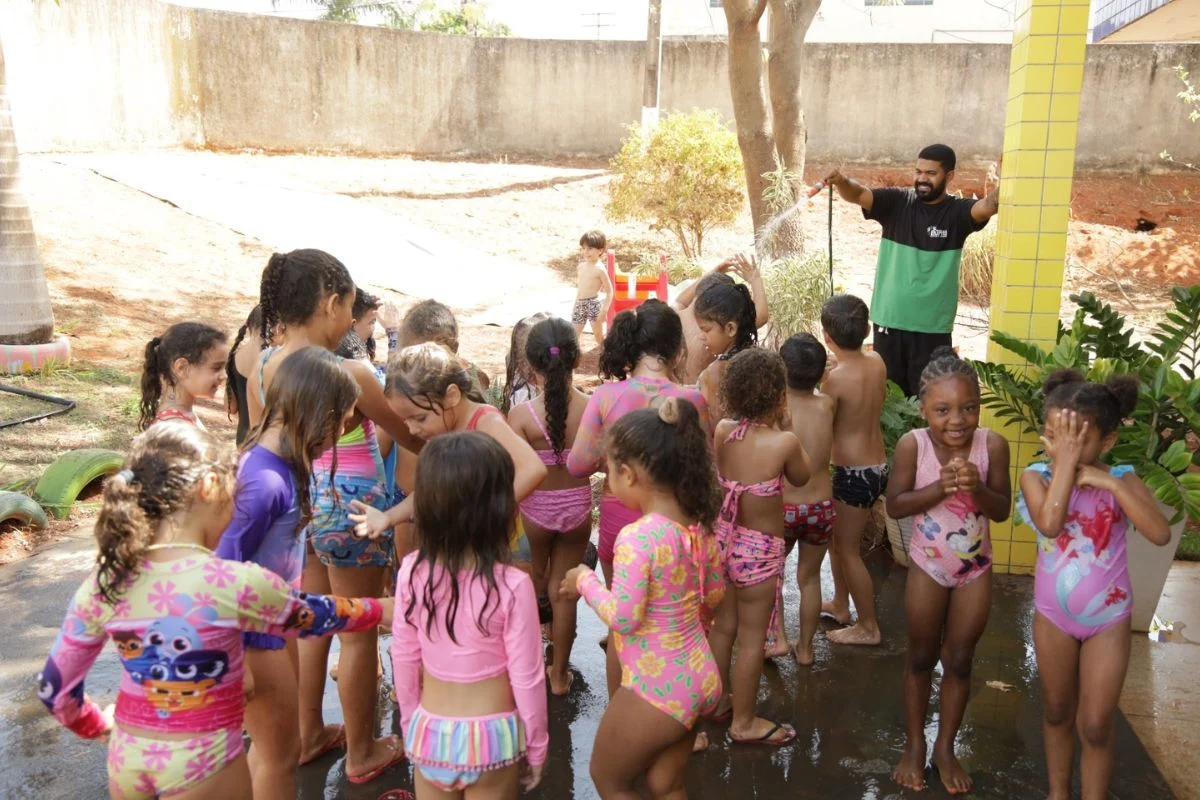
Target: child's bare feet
701,742
840,614
333,737
910,772
781,648
855,634
560,687
803,654
954,777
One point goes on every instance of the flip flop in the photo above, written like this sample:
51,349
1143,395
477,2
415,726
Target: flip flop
397,757
766,738
570,683
396,794
336,743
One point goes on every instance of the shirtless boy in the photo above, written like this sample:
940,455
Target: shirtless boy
808,514
592,279
857,385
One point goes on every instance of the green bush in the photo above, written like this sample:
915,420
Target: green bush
686,179
679,269
797,287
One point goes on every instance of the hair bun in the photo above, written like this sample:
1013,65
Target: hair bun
668,411
1125,389
1061,377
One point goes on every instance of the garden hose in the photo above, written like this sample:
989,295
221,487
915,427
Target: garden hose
64,405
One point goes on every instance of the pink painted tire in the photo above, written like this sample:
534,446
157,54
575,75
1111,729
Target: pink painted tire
19,358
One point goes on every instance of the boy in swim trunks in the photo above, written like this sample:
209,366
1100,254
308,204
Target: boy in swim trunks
808,514
592,279
857,384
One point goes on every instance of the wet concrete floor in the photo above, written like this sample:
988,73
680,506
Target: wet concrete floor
847,710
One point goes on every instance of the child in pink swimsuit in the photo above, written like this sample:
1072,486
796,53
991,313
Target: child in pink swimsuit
951,478
466,652
200,346
666,571
1083,511
558,516
178,615
756,449
640,352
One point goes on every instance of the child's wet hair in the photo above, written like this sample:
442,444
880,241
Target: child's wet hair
253,324
430,321
186,340
516,364
553,351
804,358
1106,404
309,397
594,239
753,385
424,372
364,303
294,284
651,329
723,303
157,480
464,514
945,363
846,320
669,443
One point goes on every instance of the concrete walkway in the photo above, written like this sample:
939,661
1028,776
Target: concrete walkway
847,710
380,249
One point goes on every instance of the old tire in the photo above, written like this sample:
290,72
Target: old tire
16,359
22,508
69,474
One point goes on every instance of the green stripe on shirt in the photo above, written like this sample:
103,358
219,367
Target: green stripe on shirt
915,290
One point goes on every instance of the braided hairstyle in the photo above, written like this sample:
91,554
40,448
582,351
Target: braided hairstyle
157,481
294,284
1107,404
723,303
669,443
945,363
252,325
186,340
651,329
754,385
553,351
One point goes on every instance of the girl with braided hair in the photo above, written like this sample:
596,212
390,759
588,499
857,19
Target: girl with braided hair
307,297
557,516
726,316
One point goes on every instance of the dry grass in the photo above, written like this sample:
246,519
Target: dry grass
978,260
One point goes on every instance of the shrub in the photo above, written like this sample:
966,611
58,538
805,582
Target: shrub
797,287
679,269
979,256
687,178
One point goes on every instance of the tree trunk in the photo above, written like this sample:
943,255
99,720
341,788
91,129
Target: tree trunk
750,103
785,63
25,313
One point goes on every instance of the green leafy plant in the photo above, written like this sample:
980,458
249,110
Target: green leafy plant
1160,439
1191,98
900,415
798,288
679,269
686,177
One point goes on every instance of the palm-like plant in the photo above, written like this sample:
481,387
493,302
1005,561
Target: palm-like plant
1100,343
25,313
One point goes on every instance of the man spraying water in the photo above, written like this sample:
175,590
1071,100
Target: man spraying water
916,277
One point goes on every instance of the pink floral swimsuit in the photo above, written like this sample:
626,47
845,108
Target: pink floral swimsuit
663,574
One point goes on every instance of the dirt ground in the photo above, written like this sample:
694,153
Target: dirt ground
122,264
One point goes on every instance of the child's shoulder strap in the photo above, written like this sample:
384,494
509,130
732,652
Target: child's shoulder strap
262,365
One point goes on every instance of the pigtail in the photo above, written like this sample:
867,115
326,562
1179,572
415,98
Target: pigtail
620,351
231,373
747,335
152,378
268,294
1124,390
122,533
553,351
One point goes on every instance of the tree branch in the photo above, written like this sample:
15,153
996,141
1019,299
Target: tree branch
759,10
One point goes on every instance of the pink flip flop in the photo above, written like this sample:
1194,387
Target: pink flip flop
367,777
336,743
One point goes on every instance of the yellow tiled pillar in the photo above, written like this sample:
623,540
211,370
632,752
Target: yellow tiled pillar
1045,77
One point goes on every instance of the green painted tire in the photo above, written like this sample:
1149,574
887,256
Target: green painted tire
23,508
69,474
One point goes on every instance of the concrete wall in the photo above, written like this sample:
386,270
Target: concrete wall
116,73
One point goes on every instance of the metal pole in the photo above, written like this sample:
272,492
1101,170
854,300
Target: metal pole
650,92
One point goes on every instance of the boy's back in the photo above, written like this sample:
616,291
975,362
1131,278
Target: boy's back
812,421
858,385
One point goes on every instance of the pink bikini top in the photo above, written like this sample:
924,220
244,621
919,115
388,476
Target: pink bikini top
547,456
735,490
